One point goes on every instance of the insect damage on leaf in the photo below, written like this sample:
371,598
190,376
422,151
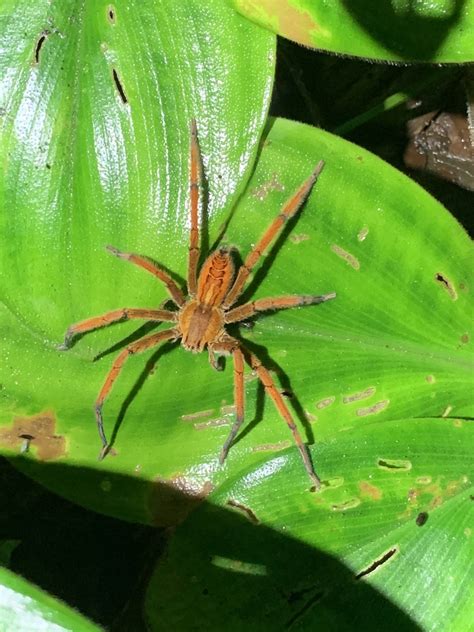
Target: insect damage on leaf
37,433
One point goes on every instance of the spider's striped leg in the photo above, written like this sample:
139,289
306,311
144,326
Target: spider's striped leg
231,345
135,347
289,210
116,316
143,262
271,389
195,177
267,304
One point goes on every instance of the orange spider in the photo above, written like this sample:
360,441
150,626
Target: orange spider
200,319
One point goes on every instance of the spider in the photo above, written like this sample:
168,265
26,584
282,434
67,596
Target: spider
200,319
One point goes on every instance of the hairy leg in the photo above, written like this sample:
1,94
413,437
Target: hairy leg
231,345
267,304
289,209
135,347
116,316
142,262
195,178
274,393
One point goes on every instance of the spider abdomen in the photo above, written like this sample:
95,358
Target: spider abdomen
199,324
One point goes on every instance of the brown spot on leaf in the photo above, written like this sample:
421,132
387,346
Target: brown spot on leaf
293,22
430,379
297,239
197,415
40,433
272,447
367,489
373,410
324,403
352,503
424,480
212,423
465,338
346,256
355,397
264,189
172,500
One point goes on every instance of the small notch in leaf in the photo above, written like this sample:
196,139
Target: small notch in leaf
119,86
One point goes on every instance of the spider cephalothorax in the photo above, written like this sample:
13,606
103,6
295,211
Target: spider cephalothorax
200,319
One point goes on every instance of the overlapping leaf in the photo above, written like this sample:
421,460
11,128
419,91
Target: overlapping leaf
391,30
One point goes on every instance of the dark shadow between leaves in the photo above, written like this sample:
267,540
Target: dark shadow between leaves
405,32
221,569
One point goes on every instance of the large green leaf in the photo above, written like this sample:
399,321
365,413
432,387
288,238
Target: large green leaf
395,343
391,534
82,169
24,607
392,30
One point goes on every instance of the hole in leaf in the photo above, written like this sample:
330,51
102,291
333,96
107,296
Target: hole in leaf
119,86
383,559
111,14
422,518
39,45
446,284
394,464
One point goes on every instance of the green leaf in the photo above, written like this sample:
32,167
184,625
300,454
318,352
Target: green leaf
24,607
82,169
394,344
393,30
390,532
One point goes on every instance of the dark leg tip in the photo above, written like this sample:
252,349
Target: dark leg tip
103,453
316,487
66,344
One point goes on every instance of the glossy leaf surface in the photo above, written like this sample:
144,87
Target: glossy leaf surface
394,344
96,102
24,607
391,30
377,536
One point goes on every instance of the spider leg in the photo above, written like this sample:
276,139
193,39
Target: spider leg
118,315
230,345
195,178
241,353
267,381
289,210
142,262
265,304
213,361
135,347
